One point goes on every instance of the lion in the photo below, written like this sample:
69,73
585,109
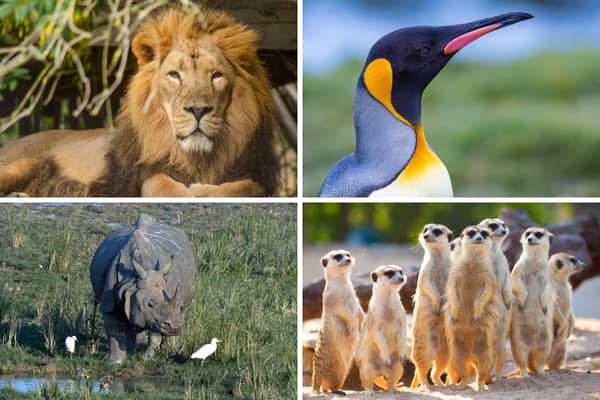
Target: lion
196,120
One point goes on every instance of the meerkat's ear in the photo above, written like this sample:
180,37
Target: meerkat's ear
450,236
374,277
550,237
324,262
559,264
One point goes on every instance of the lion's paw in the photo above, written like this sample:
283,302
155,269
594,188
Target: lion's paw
204,190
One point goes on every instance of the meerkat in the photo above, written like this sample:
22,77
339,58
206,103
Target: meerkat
532,310
382,344
455,250
429,339
503,289
341,321
562,266
470,314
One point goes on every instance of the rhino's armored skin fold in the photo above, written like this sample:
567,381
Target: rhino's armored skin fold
144,277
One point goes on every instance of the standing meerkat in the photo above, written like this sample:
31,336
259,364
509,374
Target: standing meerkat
455,250
503,289
382,344
562,266
470,315
341,322
532,311
429,339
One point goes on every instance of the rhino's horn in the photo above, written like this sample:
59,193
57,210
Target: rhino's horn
139,269
175,294
165,269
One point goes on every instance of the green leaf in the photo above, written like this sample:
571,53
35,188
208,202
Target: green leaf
21,12
12,85
5,10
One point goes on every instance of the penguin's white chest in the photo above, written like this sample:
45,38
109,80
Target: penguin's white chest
431,181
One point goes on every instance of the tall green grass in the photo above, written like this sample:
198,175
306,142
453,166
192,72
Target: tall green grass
524,128
246,296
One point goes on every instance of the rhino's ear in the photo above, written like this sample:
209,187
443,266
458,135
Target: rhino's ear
165,269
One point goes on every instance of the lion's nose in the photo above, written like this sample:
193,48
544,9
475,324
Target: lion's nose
198,112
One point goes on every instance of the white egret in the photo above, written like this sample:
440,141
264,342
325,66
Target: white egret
70,344
206,350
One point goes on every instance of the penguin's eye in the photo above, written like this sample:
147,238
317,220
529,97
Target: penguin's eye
493,226
539,235
437,232
423,51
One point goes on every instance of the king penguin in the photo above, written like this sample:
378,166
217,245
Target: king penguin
392,157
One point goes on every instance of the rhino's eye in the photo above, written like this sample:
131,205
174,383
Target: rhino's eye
151,303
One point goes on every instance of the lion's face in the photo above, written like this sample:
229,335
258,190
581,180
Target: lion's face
194,87
200,95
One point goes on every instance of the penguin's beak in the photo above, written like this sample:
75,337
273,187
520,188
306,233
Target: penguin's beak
462,35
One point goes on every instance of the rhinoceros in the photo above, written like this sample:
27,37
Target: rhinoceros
144,277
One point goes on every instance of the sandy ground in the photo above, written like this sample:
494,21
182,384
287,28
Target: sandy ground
579,380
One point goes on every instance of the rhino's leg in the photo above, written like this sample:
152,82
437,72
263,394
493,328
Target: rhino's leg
130,339
154,341
115,331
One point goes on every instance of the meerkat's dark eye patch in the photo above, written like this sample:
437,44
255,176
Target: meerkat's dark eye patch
452,246
425,228
484,234
437,232
471,234
559,264
389,273
338,257
573,260
539,235
493,226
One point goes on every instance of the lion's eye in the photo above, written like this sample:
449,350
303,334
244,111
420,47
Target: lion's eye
217,74
174,75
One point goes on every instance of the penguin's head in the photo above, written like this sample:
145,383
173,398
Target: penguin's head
401,64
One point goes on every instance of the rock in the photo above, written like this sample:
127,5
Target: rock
579,237
312,293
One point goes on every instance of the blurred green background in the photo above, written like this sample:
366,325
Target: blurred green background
524,128
368,223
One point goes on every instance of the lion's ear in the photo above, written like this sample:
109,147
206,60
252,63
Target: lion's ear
143,47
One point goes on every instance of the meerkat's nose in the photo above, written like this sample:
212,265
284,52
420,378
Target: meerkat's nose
530,240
